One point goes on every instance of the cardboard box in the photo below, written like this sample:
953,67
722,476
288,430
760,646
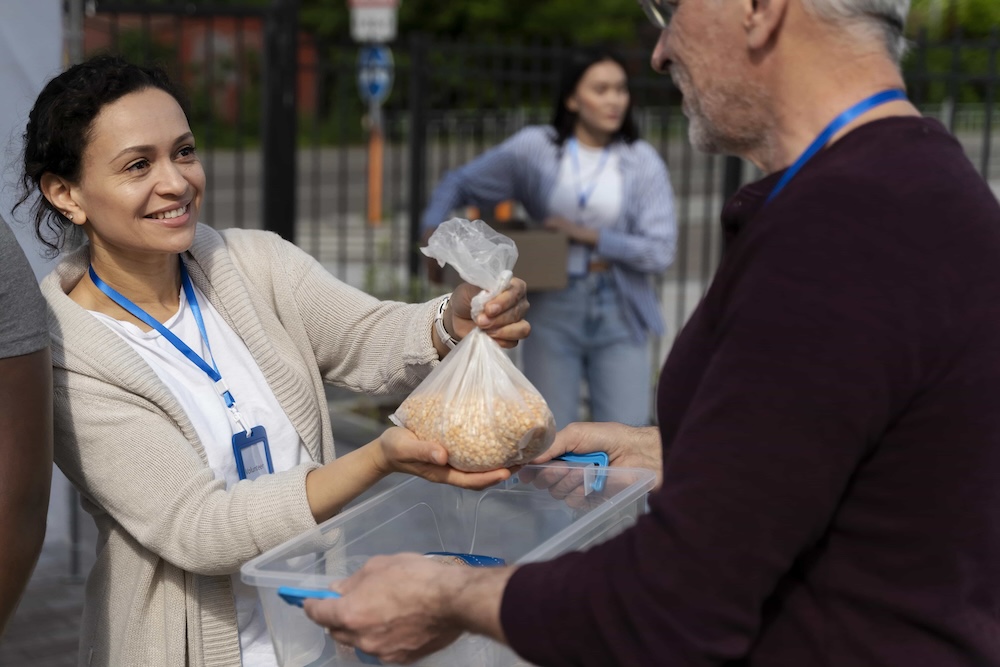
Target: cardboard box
541,258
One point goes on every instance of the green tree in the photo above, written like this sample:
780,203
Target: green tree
573,21
608,21
942,19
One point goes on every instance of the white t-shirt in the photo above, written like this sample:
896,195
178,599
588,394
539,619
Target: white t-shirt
599,178
197,394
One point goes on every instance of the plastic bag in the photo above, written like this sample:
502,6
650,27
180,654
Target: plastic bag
476,403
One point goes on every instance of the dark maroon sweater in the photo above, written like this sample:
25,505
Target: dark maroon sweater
830,419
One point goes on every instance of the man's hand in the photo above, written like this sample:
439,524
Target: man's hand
626,447
401,608
503,316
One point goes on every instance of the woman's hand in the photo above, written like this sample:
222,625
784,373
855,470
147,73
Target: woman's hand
502,318
399,450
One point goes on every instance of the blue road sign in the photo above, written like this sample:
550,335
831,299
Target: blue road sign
375,73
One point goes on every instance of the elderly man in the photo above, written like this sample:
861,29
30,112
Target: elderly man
829,419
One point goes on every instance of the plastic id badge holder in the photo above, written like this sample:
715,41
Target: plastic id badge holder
252,453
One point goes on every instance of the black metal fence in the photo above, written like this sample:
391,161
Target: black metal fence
281,129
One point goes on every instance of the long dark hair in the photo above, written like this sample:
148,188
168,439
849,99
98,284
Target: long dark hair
564,120
59,129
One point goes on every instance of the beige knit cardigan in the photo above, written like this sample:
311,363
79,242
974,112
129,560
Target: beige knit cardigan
170,534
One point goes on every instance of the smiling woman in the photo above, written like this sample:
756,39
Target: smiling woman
140,208
189,370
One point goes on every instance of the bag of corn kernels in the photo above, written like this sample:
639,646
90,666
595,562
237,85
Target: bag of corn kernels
476,403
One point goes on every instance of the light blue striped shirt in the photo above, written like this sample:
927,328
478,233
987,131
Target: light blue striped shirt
525,168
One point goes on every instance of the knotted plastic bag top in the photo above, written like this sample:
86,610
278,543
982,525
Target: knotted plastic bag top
481,255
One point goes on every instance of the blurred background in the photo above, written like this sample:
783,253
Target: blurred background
283,130
285,133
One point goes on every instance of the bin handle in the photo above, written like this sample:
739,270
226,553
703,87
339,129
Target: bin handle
599,459
297,596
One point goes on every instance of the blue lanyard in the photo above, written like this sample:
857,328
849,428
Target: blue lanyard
835,126
139,313
583,194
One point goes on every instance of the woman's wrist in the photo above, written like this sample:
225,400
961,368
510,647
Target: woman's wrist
376,455
448,322
443,328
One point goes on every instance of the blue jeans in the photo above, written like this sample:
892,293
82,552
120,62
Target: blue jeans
579,334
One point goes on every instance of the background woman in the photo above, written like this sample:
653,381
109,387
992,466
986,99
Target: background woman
189,370
588,176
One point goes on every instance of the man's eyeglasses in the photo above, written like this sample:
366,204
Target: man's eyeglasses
659,12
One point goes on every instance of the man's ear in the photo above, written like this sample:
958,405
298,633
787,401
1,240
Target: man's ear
60,194
763,20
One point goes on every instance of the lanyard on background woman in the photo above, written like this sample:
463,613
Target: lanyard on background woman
835,126
250,447
583,193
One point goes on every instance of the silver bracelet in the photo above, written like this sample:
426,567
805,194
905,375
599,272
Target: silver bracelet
442,333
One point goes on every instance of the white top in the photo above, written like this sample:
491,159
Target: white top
600,180
197,394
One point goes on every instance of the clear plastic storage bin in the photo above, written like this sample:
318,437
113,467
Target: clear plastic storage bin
515,521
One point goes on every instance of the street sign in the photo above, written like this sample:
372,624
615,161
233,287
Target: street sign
375,73
373,20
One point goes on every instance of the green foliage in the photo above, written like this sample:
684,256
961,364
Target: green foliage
941,19
136,47
597,21
954,42
571,21
210,122
488,55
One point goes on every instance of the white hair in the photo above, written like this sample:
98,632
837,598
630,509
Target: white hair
884,19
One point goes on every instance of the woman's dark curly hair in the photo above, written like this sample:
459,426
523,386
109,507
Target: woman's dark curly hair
60,124
579,62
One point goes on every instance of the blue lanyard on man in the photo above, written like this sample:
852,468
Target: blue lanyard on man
250,447
835,126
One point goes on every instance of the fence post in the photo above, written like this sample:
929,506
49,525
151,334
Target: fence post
279,118
418,146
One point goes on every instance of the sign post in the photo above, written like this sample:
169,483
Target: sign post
373,22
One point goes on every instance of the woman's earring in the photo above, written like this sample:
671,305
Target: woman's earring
70,216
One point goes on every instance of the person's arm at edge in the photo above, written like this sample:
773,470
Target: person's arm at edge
26,473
